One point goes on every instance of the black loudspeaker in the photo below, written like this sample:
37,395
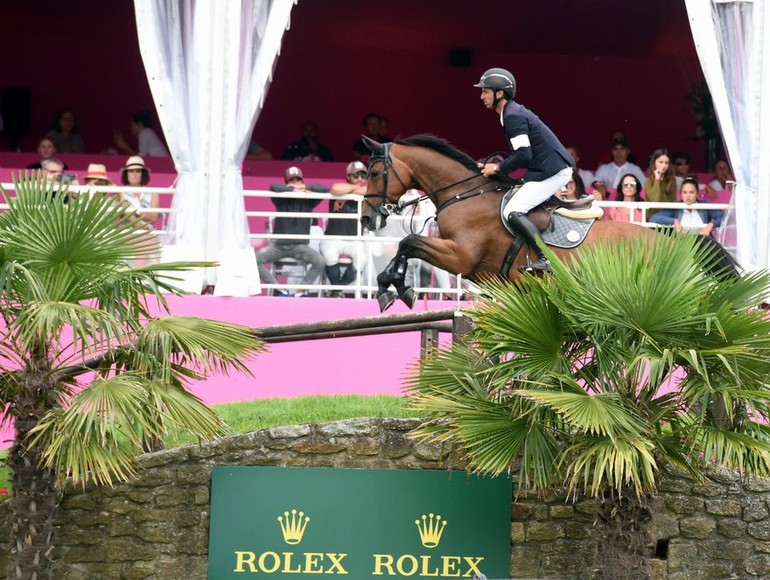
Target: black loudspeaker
460,56
16,110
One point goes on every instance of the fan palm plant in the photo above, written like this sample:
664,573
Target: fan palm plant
569,378
72,302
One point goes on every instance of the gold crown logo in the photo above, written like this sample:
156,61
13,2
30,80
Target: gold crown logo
430,529
293,526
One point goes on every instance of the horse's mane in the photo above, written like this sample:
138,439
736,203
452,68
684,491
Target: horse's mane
443,147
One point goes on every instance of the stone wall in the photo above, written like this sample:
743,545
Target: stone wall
157,526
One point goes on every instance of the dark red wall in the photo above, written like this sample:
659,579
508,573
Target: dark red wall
585,67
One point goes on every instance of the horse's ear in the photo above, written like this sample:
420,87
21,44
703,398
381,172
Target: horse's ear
373,146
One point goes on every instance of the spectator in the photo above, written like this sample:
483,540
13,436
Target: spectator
308,148
660,185
384,125
136,174
96,174
722,175
607,157
629,190
689,219
52,169
608,175
585,175
372,129
299,250
574,189
149,144
333,249
64,133
681,162
47,150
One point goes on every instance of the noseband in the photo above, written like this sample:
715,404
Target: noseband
388,206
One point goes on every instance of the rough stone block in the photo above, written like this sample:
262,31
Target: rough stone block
193,474
760,530
588,506
658,569
684,504
755,510
289,431
727,550
731,527
576,530
671,485
697,527
760,484
664,526
758,565
525,561
724,507
562,511
517,533
544,531
708,489
681,555
521,511
355,427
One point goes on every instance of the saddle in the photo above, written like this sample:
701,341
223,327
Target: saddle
561,223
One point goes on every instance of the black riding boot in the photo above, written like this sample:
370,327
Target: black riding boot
522,225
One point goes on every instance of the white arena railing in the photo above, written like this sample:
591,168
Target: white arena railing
374,249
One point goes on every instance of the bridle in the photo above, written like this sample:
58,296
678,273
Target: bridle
390,206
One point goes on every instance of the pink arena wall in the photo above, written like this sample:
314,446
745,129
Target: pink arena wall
369,365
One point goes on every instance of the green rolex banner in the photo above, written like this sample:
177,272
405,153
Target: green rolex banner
358,523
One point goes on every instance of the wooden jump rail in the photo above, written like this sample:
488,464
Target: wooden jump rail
429,324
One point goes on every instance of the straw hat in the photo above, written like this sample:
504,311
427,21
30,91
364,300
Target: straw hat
135,162
97,171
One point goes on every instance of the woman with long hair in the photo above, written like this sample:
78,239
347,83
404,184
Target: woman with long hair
660,185
629,190
64,133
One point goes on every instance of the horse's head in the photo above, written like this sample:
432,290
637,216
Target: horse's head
389,179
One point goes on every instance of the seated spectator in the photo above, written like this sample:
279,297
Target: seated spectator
47,150
136,174
585,175
372,129
299,250
660,185
149,144
722,175
384,125
258,153
689,219
629,190
608,175
574,189
64,133
96,174
332,249
681,162
308,148
52,169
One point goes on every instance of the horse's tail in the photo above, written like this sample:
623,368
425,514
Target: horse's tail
717,261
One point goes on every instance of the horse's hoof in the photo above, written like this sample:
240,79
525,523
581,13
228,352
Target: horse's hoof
386,300
407,296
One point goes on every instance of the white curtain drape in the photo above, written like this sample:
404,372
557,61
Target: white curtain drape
209,64
731,37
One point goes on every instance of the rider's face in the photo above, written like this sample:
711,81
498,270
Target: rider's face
488,98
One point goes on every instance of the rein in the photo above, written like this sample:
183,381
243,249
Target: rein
394,206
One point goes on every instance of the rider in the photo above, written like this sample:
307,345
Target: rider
534,146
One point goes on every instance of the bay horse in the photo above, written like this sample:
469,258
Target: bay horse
473,241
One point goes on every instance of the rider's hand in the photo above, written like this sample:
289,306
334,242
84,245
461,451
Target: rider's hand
490,169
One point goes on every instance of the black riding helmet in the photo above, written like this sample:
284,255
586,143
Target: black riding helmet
498,79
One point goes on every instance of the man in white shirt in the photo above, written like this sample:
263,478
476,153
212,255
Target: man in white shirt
149,144
608,175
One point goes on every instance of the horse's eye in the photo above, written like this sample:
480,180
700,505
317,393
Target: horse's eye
374,175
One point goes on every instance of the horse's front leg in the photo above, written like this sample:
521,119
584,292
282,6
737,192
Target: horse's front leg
435,251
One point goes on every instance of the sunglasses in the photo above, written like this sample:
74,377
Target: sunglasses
359,175
629,185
